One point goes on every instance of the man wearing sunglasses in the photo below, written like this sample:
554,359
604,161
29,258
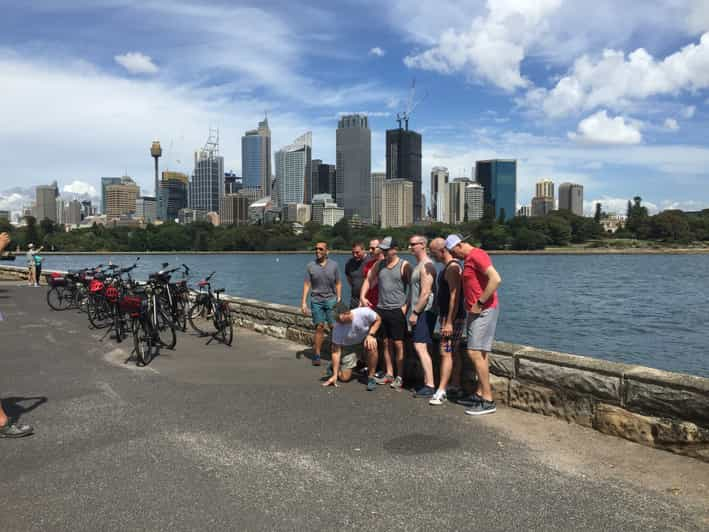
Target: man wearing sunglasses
322,277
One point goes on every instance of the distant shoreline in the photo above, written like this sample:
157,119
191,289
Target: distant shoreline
552,251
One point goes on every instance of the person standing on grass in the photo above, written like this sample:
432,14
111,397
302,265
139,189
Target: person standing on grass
422,317
451,312
7,428
354,329
392,276
480,283
322,276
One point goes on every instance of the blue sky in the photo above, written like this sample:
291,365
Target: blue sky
616,99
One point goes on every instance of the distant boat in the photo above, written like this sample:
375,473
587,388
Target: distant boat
7,257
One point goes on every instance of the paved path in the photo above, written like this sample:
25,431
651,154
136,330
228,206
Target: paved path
244,438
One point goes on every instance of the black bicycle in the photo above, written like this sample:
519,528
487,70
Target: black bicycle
209,315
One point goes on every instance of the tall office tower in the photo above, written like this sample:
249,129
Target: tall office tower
378,179
542,206
256,158
397,203
456,200
232,183
439,193
571,198
297,212
61,211
234,209
46,202
207,187
106,181
293,170
525,210
323,178
73,213
87,209
146,209
354,166
121,199
403,160
498,178
474,201
174,188
545,189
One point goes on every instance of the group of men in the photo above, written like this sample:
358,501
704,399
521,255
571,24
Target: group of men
393,301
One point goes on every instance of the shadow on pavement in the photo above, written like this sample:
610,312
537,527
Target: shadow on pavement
14,408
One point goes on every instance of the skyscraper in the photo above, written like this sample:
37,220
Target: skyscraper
256,158
207,187
354,165
474,201
293,170
403,160
571,198
456,200
545,189
173,195
323,178
234,209
439,193
73,214
106,181
146,209
397,203
121,198
378,179
542,206
46,202
498,178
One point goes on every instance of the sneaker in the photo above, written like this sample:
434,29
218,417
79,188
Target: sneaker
438,398
371,384
11,430
316,360
425,391
328,371
469,401
384,379
379,374
453,392
398,383
482,408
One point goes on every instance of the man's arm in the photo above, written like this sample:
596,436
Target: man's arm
406,277
304,298
370,342
426,285
370,281
338,290
494,280
453,279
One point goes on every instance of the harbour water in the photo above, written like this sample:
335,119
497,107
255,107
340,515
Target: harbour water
639,309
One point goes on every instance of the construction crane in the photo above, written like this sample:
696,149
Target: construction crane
411,106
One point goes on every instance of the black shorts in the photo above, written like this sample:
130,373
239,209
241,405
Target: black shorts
393,323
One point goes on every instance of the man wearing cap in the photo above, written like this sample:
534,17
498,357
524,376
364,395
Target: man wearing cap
323,276
480,282
353,327
31,266
392,276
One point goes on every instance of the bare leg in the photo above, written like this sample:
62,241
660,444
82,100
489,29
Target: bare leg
332,381
446,366
318,338
426,363
388,347
457,365
399,346
3,417
373,360
345,375
481,363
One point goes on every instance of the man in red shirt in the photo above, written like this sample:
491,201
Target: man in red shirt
480,282
375,255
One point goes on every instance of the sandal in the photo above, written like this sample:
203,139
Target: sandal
10,430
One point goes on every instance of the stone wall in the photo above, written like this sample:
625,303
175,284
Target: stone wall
656,408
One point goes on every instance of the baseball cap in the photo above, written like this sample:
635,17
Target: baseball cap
452,241
388,243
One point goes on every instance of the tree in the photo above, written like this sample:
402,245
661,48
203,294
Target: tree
597,216
31,234
494,237
344,231
670,226
527,239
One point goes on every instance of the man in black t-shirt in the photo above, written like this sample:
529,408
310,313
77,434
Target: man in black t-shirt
354,270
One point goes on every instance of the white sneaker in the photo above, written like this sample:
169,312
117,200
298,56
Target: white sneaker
438,398
398,384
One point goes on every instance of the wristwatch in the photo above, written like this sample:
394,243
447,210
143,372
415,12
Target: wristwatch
481,302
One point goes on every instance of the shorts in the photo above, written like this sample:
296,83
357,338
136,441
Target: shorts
393,323
458,328
481,329
322,311
349,354
422,332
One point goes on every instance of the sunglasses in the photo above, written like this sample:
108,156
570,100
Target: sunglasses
319,249
412,244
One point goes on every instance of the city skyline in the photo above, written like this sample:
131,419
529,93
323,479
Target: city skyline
617,104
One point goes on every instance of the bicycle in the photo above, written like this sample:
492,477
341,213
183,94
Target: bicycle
209,309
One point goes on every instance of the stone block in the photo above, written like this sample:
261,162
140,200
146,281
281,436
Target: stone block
507,348
281,318
258,313
500,389
617,421
664,394
552,402
299,336
580,375
502,365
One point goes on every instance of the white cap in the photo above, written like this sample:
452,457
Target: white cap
452,241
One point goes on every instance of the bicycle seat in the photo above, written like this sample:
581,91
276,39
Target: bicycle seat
219,290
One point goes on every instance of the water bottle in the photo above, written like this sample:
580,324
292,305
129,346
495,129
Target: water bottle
448,347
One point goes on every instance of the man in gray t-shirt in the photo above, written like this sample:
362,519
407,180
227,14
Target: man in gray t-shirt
322,279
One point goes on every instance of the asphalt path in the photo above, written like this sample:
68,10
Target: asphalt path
244,438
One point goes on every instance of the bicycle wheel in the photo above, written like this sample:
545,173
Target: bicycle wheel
165,330
142,341
99,313
180,315
224,324
199,317
58,298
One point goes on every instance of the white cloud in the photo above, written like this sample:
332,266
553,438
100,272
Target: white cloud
493,46
600,128
80,188
615,81
136,63
698,17
687,205
376,51
688,112
671,124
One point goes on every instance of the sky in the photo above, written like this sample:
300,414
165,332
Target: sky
614,98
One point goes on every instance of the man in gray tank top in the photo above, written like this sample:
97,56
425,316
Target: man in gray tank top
392,276
422,315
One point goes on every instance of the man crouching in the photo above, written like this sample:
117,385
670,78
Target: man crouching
352,329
